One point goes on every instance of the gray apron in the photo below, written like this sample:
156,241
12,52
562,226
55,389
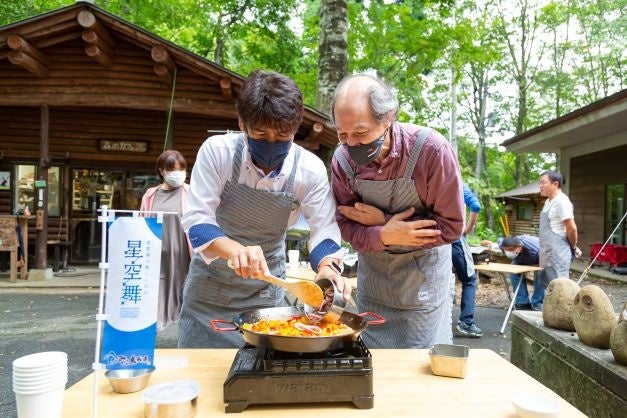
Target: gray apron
408,286
213,291
555,253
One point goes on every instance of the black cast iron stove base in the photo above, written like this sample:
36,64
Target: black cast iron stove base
264,376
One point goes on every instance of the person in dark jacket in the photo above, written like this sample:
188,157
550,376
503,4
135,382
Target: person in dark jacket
524,250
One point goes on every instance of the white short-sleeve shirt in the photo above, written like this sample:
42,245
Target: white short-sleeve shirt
559,209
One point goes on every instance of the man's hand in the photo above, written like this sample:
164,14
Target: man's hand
364,214
397,231
341,283
249,262
576,252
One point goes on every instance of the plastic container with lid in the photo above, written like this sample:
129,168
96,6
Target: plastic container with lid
171,399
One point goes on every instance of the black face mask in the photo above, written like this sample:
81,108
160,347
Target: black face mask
364,154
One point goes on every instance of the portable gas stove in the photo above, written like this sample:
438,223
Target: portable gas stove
266,376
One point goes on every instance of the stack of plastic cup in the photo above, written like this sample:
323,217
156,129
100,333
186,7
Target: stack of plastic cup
39,383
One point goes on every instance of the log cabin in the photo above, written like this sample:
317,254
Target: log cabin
591,143
522,208
88,101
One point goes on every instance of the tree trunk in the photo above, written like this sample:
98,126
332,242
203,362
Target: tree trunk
333,50
487,210
520,128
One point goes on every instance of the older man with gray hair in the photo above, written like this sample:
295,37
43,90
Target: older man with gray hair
399,197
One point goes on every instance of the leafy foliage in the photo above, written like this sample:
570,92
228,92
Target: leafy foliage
418,46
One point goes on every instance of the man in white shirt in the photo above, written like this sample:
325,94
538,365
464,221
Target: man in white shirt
245,190
558,231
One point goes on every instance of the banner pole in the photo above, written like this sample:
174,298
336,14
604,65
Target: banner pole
96,365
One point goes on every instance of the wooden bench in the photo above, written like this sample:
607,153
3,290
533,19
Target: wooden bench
9,241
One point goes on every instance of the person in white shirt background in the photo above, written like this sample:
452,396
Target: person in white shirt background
558,231
246,190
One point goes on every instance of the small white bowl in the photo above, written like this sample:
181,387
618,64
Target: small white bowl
528,405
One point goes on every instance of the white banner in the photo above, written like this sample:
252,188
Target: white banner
134,259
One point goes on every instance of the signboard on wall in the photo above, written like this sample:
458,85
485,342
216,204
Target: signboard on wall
123,146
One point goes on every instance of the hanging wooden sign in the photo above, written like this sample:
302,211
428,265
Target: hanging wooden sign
123,146
39,220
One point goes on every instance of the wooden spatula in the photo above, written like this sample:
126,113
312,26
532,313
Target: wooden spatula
305,290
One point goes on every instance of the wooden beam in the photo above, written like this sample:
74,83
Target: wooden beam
312,146
211,108
41,201
46,42
87,20
315,131
161,55
225,86
96,53
17,43
28,63
163,73
33,28
92,38
57,39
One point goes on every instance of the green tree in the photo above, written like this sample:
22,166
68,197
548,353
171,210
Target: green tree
333,50
14,11
518,25
401,42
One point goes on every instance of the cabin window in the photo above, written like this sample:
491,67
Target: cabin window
26,192
54,191
524,212
25,189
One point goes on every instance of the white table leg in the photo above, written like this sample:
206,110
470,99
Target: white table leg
511,304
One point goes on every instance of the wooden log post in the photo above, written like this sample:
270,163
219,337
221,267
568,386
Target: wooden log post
225,86
161,55
41,197
310,142
92,38
96,53
164,66
163,73
87,20
100,44
28,63
27,56
17,43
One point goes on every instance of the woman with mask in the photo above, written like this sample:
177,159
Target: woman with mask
170,196
524,250
246,190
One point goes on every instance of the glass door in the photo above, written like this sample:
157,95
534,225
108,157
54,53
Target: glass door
93,188
25,191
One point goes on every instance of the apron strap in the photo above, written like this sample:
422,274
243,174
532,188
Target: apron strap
237,159
289,185
421,138
341,159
